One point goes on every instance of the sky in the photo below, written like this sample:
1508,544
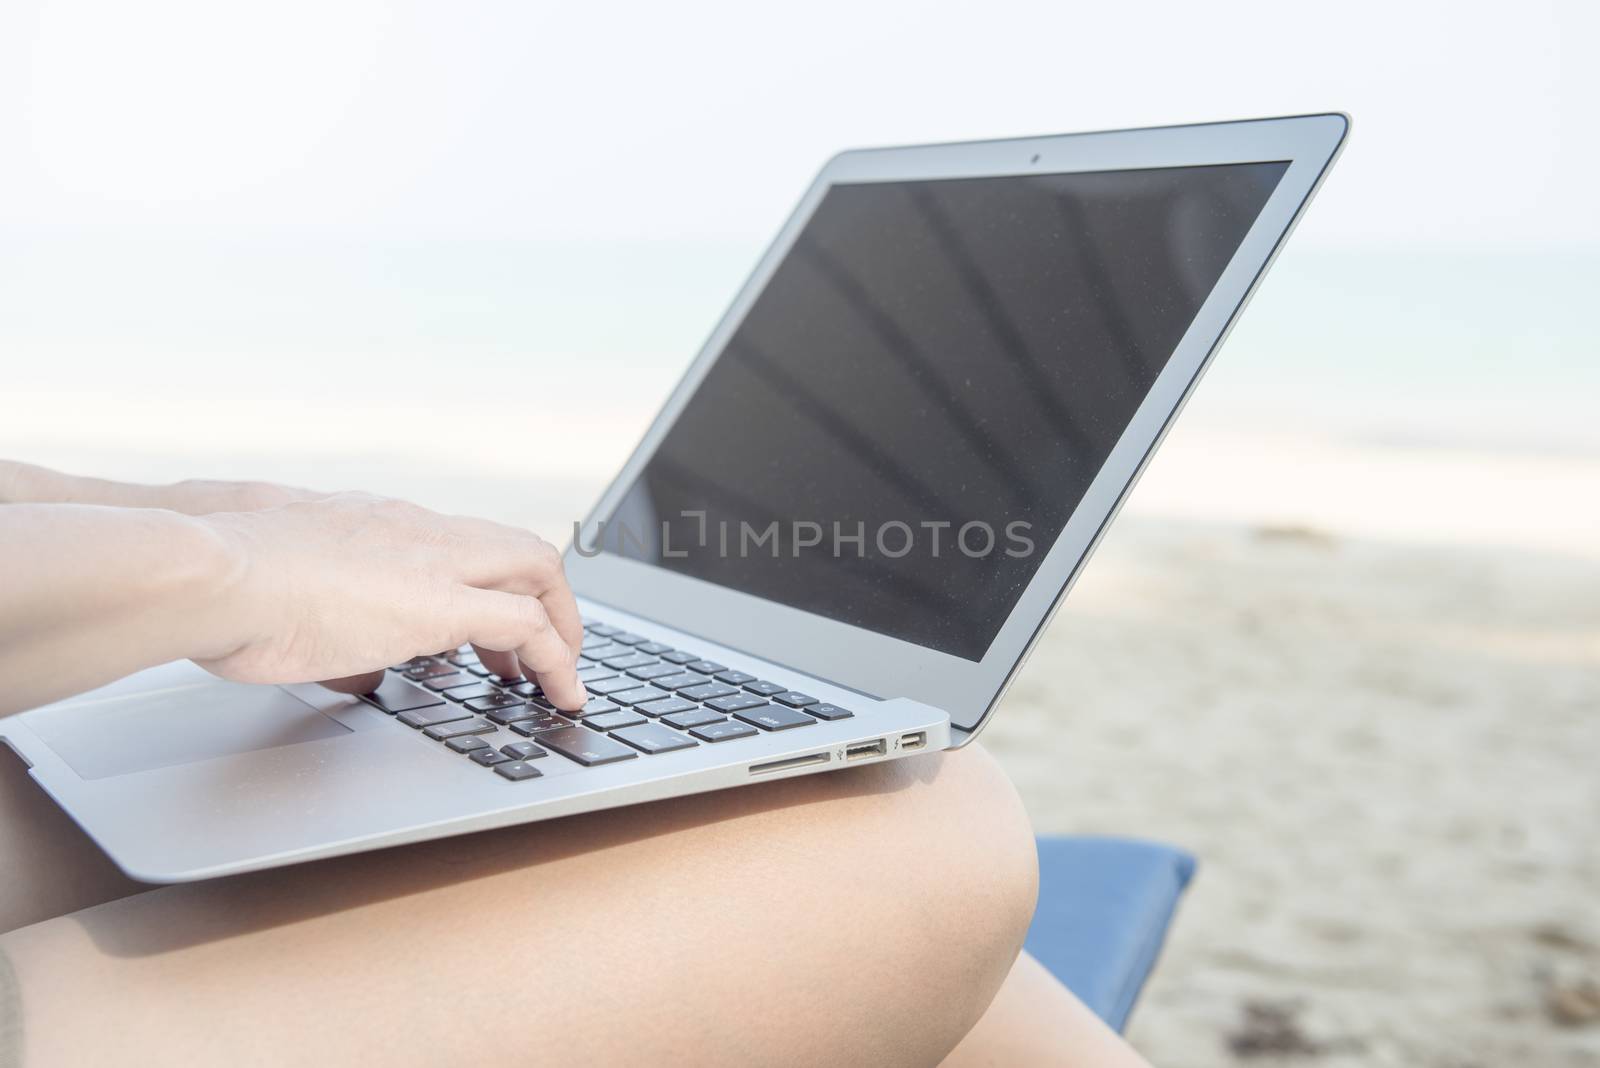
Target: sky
474,119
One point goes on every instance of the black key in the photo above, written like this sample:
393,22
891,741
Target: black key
467,743
513,713
664,708
527,727
595,674
638,695
653,738
507,681
681,681
605,686
494,701
774,717
680,657
764,688
605,630
722,732
523,688
516,771
735,678
654,671
414,662
595,707
479,670
823,710
653,648
622,637
685,720
430,669
610,721
793,699
445,731
734,702
705,667
462,660
586,747
522,751
489,757
706,691
445,682
470,693
396,695
419,718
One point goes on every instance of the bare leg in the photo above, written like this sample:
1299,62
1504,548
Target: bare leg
865,916
1036,1020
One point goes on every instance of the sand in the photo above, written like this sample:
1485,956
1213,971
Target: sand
1387,759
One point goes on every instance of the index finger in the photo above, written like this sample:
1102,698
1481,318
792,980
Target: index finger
518,561
516,623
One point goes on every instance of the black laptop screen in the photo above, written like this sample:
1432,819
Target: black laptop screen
900,427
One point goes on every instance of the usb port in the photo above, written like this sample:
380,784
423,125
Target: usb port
864,750
914,741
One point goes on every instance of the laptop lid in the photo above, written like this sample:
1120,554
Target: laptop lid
900,445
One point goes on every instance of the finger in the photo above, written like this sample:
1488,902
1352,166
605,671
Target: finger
495,557
562,606
544,683
535,567
356,684
512,622
504,665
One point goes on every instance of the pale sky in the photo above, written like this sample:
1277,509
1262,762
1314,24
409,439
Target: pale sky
1473,122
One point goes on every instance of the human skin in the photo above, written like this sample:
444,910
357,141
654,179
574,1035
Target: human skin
316,587
871,916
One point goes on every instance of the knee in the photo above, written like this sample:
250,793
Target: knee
976,838
966,881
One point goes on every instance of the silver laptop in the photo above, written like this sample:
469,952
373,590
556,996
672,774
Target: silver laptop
835,545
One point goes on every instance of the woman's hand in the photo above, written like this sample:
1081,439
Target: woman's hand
339,587
306,589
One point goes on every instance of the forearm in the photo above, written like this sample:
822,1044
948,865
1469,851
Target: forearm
89,594
30,484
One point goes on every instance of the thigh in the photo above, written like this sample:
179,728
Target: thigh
51,867
861,916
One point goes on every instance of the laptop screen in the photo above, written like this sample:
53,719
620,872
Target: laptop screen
918,399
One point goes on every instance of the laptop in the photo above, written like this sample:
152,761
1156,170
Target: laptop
834,546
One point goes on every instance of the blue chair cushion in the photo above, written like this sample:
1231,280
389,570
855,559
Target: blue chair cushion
1104,908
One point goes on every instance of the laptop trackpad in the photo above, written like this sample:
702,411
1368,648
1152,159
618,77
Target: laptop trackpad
141,731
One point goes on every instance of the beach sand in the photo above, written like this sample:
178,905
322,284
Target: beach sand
1387,759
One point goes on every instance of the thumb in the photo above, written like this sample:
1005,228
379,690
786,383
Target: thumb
356,684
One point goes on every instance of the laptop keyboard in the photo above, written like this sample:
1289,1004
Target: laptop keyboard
645,698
